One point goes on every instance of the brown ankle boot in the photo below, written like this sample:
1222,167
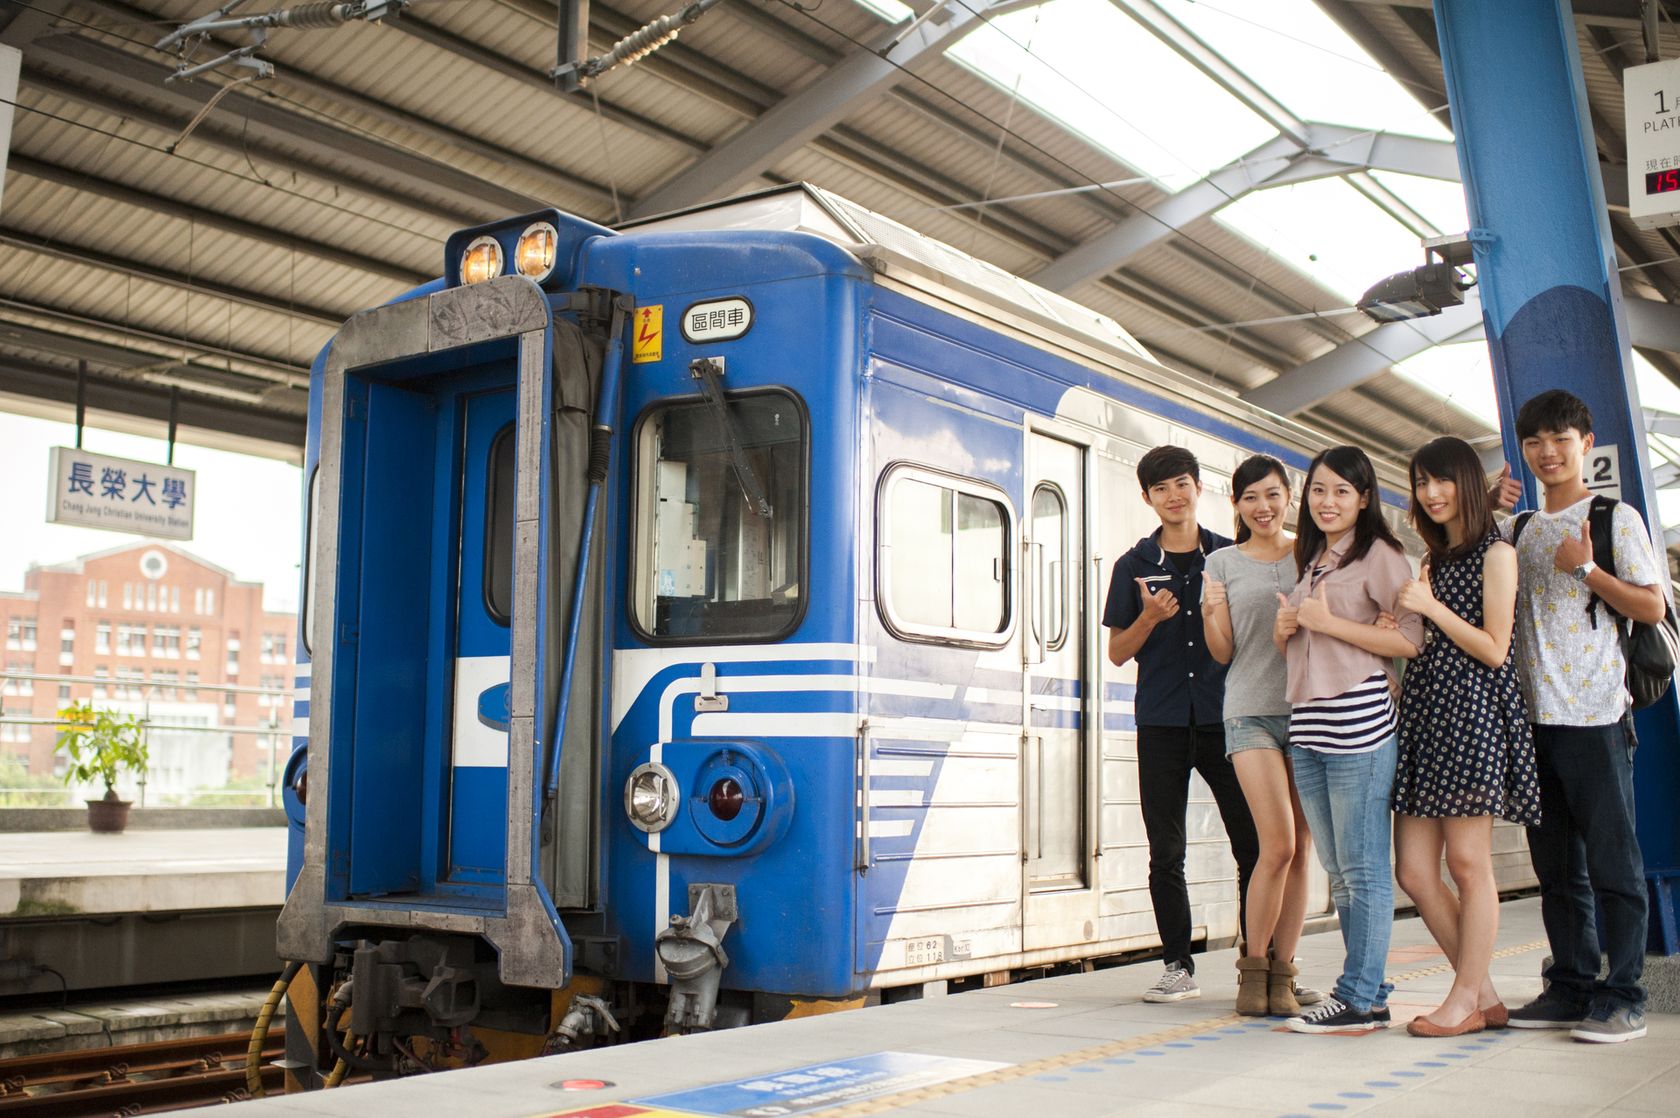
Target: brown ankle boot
1252,997
1281,989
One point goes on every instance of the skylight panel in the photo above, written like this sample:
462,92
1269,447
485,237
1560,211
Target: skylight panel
1326,230
1299,55
890,10
1438,201
1460,374
1094,71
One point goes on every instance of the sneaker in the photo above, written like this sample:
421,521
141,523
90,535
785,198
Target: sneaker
1548,1011
1175,985
1306,995
1381,1016
1608,1023
1332,1016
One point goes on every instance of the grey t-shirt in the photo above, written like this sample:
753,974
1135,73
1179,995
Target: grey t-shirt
1255,683
1573,673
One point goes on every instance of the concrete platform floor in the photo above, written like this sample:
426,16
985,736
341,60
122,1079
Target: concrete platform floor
58,873
1086,1046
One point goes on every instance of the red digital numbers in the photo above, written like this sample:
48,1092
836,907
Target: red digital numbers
1661,182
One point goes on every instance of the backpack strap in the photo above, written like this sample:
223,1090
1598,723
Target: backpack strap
1601,517
1521,522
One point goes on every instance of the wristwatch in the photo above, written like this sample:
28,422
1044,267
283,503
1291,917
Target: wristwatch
1584,570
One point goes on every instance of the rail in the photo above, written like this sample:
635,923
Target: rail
121,689
135,1078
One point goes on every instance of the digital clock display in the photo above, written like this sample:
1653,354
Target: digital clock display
1661,182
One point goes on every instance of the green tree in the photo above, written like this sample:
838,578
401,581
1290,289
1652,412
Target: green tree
25,789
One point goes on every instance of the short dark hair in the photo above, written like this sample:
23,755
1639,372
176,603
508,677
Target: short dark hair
1554,410
1165,463
1451,459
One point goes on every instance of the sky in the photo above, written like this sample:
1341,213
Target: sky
248,517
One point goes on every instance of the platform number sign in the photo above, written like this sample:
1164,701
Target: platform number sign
1603,469
1651,101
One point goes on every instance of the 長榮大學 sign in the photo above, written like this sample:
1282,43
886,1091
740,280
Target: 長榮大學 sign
119,494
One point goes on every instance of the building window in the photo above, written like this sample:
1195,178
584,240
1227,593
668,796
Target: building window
195,641
274,648
102,637
103,587
19,679
100,674
129,681
166,641
190,692
210,602
67,644
151,597
128,595
720,552
92,592
64,692
174,599
131,640
20,634
944,557
233,656
165,684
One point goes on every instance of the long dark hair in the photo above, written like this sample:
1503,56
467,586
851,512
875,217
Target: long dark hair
1253,469
1451,459
1353,466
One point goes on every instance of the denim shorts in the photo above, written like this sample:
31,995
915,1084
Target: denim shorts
1257,731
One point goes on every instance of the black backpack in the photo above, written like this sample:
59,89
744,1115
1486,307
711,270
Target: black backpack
1649,651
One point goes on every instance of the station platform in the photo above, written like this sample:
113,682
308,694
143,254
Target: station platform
1081,1046
147,907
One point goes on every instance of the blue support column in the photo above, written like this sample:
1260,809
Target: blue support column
1552,298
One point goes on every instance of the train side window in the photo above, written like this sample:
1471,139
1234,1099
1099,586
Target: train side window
944,558
498,527
1049,535
720,549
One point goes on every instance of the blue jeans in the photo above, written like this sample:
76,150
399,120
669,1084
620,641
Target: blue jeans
1345,797
1584,848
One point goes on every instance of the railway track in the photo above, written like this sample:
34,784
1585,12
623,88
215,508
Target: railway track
135,1079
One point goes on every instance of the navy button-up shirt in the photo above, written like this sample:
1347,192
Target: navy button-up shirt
1179,683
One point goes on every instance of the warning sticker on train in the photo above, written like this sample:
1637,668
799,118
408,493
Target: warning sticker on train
717,320
648,342
821,1086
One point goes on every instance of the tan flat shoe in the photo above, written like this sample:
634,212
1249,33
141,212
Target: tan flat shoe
1475,1022
1497,1015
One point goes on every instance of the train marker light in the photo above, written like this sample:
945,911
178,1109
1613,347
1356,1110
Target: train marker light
650,797
482,260
537,250
726,798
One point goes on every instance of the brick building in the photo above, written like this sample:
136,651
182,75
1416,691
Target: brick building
155,629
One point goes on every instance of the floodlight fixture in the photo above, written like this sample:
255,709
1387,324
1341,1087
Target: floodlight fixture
1425,290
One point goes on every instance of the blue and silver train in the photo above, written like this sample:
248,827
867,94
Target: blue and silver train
703,627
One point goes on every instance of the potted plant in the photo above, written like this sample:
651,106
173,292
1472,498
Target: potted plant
99,745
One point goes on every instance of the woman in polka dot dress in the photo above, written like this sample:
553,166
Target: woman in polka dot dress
1466,749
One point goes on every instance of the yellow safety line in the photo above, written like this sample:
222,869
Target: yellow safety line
1087,1055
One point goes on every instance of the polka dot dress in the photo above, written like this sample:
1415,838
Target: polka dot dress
1465,744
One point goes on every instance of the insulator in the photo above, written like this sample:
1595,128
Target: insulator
313,17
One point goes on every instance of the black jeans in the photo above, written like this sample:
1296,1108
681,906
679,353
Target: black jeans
1166,755
1585,846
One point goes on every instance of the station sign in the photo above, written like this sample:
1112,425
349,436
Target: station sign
1651,102
119,494
1603,471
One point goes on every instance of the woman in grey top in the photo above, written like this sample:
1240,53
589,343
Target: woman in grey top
1244,585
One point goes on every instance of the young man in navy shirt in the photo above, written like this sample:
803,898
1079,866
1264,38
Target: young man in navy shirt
1154,615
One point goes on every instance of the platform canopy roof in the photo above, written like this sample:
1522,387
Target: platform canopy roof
1221,177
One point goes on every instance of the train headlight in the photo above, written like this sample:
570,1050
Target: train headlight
536,251
482,260
650,797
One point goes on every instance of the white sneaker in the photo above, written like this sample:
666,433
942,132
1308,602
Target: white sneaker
1176,984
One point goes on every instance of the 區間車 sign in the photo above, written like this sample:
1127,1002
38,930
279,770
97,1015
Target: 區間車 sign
119,494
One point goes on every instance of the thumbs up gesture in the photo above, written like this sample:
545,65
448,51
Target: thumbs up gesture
1213,593
1315,612
1158,605
1573,551
1506,490
1288,621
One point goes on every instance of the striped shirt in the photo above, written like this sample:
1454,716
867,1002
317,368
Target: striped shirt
1356,721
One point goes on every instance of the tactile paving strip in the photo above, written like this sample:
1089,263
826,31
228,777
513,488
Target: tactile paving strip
1096,1052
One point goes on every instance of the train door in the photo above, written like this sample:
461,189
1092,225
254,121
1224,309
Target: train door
1060,906
478,745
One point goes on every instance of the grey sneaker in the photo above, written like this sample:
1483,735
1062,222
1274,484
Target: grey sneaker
1306,995
1175,985
1548,1011
1609,1023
